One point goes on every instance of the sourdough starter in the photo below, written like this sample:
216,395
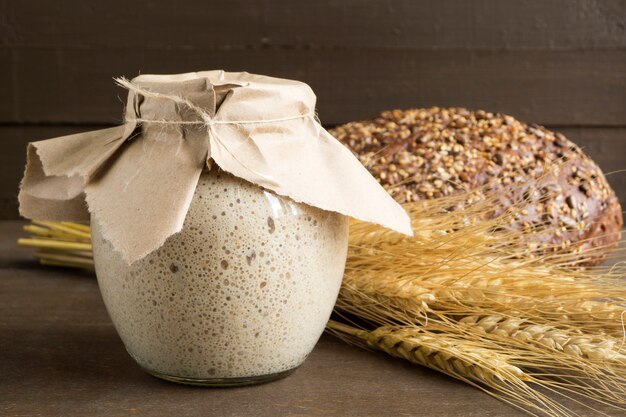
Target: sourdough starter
244,290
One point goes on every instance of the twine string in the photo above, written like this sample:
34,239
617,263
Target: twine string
207,120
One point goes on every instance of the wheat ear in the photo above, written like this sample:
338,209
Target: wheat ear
576,343
482,368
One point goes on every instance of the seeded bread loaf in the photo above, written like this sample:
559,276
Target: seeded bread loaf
428,153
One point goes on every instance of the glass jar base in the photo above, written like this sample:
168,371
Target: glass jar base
222,382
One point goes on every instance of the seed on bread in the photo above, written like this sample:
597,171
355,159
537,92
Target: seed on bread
427,153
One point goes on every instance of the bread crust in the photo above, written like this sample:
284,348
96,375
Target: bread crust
432,152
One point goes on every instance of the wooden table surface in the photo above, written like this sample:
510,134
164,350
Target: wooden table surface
61,356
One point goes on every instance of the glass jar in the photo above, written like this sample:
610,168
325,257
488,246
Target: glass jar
240,296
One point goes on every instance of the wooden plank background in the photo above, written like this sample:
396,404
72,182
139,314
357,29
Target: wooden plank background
561,63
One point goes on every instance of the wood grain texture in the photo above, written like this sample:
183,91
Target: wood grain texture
61,356
606,146
555,62
202,25
548,87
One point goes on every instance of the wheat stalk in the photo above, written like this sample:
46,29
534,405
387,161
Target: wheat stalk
474,283
438,352
480,367
575,301
60,244
576,343
467,269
